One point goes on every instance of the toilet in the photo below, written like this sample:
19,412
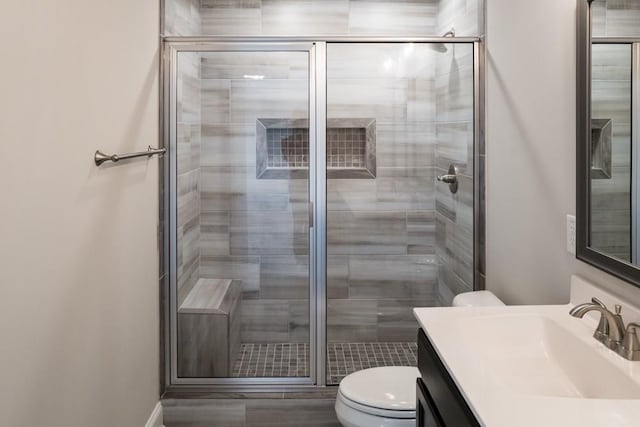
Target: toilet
386,396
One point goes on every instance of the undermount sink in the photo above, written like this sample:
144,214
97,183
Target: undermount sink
534,355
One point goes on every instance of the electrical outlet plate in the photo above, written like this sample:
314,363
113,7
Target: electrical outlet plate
571,234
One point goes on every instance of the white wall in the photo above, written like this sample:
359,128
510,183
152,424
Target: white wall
78,251
531,49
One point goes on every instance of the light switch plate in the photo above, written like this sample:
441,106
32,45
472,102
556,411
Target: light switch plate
571,234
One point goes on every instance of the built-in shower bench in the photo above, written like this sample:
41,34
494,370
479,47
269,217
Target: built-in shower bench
209,328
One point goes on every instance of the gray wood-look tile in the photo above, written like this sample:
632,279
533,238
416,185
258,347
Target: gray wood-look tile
214,234
188,161
622,18
308,17
408,189
209,329
337,277
269,99
401,145
284,277
203,413
356,233
351,194
299,319
182,18
269,65
449,285
265,321
455,146
234,17
421,232
374,17
316,409
380,61
599,18
263,233
244,268
611,62
292,412
352,320
215,101
386,276
455,249
608,100
463,15
323,17
384,99
395,318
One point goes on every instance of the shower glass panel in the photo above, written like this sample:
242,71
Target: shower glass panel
398,115
242,255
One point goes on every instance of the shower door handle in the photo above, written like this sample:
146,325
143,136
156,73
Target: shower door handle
310,214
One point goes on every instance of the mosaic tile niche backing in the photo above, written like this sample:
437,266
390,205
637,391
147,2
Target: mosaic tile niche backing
283,151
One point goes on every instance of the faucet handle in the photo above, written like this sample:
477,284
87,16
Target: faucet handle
618,317
630,346
602,331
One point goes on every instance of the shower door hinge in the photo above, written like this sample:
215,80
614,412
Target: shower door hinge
310,214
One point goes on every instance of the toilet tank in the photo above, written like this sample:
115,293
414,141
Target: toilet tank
476,299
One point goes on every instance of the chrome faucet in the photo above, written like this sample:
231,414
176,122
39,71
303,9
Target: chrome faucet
630,345
608,332
611,330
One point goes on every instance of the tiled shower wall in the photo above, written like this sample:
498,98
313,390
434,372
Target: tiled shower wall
383,258
615,18
188,174
254,230
322,17
182,17
455,145
381,232
465,16
611,197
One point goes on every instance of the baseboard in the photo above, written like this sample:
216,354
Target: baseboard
155,420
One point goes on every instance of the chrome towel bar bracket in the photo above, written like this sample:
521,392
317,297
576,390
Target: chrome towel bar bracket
100,157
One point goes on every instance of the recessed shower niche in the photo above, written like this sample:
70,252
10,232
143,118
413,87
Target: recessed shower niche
601,148
282,148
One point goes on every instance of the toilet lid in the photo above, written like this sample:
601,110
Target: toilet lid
389,387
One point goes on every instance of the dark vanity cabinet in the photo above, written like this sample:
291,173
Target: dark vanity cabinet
439,401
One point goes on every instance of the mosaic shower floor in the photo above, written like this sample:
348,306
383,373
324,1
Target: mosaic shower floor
292,360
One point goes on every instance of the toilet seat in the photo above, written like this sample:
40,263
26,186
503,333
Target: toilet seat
388,387
379,412
384,396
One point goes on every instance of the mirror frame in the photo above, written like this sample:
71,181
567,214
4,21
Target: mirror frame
624,270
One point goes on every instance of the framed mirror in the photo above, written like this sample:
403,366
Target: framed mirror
608,138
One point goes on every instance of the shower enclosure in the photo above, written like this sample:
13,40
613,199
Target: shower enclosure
307,216
304,217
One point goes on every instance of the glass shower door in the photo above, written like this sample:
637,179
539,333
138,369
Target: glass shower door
244,143
398,115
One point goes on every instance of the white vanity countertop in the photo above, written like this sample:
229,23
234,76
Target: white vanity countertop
488,353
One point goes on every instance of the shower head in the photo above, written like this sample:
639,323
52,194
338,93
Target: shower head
440,47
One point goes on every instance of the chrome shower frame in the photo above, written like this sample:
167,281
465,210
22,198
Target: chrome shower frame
317,47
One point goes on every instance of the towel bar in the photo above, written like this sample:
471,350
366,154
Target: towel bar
100,157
